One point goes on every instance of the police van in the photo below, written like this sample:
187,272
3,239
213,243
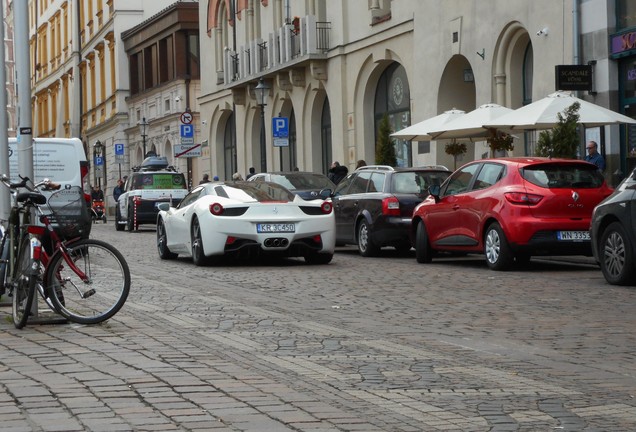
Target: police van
151,183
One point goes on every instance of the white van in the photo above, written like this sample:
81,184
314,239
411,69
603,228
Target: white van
61,160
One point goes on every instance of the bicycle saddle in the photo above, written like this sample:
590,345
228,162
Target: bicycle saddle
34,197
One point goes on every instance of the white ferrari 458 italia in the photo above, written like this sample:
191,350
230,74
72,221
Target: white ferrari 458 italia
246,219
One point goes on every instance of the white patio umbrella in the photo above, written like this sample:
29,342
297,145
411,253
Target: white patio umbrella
419,131
542,114
471,125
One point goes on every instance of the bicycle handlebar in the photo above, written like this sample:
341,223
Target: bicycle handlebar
46,184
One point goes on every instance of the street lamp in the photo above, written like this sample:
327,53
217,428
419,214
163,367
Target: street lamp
142,130
261,91
98,152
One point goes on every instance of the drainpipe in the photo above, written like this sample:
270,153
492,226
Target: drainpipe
576,32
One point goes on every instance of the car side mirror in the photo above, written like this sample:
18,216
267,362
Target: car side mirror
164,206
325,193
434,191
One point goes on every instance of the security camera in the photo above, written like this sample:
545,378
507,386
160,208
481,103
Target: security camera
204,122
177,99
543,31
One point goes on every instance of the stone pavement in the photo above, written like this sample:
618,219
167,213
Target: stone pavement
379,344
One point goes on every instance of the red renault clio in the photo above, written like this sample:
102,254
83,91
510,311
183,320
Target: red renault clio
510,209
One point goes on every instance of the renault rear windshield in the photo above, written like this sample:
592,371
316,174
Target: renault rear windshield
557,175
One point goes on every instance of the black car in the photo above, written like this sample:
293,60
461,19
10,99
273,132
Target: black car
374,204
305,184
613,233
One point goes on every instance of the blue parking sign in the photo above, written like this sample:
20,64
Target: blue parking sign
280,127
187,131
119,149
99,160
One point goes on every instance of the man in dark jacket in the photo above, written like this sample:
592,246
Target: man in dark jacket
337,172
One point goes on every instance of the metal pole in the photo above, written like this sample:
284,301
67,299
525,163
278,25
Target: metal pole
5,197
143,138
263,145
23,72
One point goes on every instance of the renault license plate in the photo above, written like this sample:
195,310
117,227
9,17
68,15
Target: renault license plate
573,235
275,228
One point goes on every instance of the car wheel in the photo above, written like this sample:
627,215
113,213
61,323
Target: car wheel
118,226
162,241
130,225
318,258
616,255
198,254
498,253
423,250
365,244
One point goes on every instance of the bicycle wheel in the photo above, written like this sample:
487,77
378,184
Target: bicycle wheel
23,285
96,299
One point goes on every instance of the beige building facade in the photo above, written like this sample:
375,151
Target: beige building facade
334,68
80,76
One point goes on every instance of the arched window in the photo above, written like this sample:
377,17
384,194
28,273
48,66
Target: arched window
393,98
325,136
528,64
229,148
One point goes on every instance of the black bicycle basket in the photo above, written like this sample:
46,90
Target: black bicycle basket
69,213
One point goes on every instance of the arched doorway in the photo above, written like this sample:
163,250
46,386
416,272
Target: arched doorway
393,98
229,148
288,154
325,136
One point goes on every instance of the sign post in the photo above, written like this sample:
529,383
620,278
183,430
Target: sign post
280,132
119,156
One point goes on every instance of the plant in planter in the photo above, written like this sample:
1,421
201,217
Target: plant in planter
500,141
384,148
455,149
563,139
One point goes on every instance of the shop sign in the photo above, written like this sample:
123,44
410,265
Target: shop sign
573,77
624,42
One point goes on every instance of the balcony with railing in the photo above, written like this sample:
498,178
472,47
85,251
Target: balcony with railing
293,45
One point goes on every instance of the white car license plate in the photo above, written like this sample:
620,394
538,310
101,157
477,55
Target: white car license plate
573,235
275,228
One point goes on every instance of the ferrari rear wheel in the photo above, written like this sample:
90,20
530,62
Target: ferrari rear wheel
198,254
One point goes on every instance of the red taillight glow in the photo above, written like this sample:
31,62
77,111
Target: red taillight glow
317,239
230,240
391,206
326,207
216,209
84,168
523,198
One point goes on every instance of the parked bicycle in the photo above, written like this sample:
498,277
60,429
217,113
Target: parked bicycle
86,281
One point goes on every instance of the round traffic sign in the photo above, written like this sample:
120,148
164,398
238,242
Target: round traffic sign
186,118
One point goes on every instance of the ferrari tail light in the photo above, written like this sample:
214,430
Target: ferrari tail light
523,198
230,240
326,207
216,209
391,206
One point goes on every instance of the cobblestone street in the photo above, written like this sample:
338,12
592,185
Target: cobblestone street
361,344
